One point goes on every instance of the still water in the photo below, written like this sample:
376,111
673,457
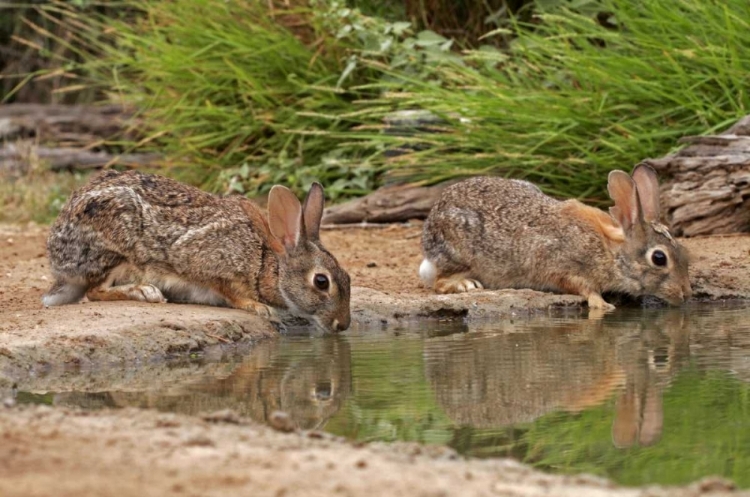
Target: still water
640,396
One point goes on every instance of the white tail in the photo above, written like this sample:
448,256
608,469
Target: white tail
427,272
63,292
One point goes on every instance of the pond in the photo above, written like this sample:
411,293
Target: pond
641,396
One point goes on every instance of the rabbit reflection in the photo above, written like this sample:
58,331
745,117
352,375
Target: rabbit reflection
508,373
307,379
650,360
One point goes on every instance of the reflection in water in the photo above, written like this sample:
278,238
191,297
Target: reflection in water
308,379
498,376
641,395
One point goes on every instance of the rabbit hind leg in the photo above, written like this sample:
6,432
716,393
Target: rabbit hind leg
457,283
109,289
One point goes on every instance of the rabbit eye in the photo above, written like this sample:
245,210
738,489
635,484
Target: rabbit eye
323,390
321,282
659,258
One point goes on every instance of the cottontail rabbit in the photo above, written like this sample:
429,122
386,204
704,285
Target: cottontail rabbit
134,236
498,233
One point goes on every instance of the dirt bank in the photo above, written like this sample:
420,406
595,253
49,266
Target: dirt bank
382,262
133,452
47,451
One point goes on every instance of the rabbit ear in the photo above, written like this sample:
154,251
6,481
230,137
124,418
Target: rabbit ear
648,191
627,414
623,191
284,216
653,418
313,211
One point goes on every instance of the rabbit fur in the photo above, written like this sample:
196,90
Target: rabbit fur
489,232
135,236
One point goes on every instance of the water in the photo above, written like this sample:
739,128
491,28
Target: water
641,396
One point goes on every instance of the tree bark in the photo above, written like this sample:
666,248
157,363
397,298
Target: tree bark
707,186
389,204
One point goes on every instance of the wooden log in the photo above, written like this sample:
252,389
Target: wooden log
395,203
16,158
76,124
707,184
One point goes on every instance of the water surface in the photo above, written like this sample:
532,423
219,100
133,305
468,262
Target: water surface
640,396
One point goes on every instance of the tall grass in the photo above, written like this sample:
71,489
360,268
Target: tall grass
243,95
236,93
575,98
33,42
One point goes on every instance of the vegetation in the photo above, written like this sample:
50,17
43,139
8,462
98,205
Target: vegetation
34,41
37,196
242,95
574,98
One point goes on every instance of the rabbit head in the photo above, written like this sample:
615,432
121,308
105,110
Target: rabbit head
650,259
310,280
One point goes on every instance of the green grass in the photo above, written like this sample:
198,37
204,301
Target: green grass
573,100
37,196
238,96
241,97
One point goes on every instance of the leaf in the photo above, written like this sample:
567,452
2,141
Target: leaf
498,31
245,171
445,47
350,67
399,28
429,38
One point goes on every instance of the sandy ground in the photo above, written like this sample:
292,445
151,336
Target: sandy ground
131,452
382,262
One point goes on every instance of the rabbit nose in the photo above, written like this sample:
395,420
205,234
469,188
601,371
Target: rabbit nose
341,325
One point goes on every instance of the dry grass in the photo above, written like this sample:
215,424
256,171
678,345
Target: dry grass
37,196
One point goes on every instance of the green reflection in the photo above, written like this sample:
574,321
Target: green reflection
390,398
706,432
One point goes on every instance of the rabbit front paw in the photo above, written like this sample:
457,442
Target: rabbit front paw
261,310
597,302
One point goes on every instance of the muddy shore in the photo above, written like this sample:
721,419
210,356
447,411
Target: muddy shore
137,452
381,261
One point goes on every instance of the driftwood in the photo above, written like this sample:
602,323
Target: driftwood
707,190
71,125
16,158
386,205
65,137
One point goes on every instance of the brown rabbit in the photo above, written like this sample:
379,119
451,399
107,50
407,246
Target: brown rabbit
496,233
134,236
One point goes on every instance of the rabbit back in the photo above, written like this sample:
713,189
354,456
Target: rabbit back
175,236
506,233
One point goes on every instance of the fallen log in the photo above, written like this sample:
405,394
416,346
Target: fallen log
17,158
390,204
79,125
707,186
